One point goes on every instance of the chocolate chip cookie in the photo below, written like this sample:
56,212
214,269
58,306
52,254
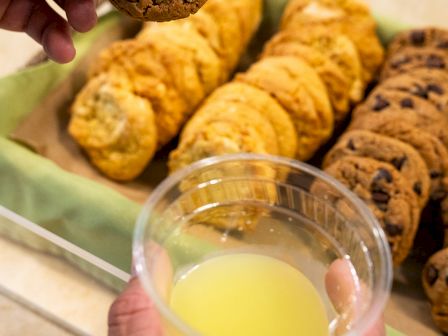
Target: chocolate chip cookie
389,196
300,91
431,85
385,149
430,148
435,275
420,38
158,10
402,104
411,58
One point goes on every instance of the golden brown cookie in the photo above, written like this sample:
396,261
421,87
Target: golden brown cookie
411,58
267,106
339,48
385,149
349,17
137,62
158,10
235,113
217,138
298,88
114,126
337,86
388,194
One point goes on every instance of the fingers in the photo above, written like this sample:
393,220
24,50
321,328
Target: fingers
81,14
38,20
133,314
345,292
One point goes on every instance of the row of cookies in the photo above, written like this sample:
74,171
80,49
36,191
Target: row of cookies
394,153
308,76
141,91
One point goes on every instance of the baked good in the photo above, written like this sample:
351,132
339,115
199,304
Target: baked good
420,38
217,138
115,127
430,148
349,17
337,47
234,113
297,87
382,103
382,148
429,84
434,281
267,106
337,85
158,10
387,193
411,58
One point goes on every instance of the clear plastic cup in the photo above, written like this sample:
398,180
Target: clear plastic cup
265,205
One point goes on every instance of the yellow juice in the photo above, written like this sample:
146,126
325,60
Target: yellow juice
249,294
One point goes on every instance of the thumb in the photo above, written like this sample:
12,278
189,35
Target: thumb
344,290
134,314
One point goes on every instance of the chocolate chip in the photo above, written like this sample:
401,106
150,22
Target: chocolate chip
419,91
418,37
436,62
399,162
393,230
351,145
407,103
442,45
398,61
418,188
435,174
438,195
435,88
446,280
383,174
380,103
432,274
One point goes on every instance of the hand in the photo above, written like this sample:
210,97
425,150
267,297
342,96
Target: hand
43,24
133,313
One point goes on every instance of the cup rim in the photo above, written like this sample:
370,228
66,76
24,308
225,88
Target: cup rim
380,293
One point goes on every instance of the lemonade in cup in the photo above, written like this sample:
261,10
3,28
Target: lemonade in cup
259,245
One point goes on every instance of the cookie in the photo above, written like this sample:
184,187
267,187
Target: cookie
114,126
430,148
234,113
431,85
385,149
217,138
300,91
414,110
158,10
387,193
420,38
267,106
434,280
337,47
349,17
410,58
337,86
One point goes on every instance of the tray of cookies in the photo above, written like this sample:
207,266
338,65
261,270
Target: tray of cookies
274,77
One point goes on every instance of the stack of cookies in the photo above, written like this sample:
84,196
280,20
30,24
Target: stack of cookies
394,154
141,91
308,77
